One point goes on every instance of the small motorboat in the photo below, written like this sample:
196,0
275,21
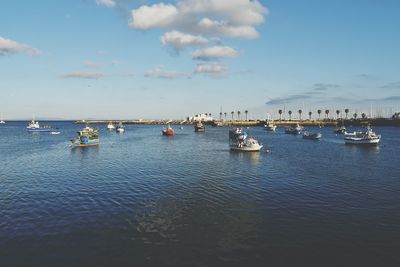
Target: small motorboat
120,128
340,130
312,136
249,144
168,131
86,137
367,137
110,126
199,127
34,126
55,132
294,130
270,126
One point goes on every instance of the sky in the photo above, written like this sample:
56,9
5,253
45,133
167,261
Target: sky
126,59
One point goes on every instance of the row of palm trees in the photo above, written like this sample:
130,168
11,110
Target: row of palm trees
246,112
319,112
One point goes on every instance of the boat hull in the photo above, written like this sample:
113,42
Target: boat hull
40,130
355,141
247,148
85,144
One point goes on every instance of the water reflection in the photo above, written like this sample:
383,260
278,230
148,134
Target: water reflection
254,158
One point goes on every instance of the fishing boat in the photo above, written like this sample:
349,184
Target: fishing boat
199,127
34,126
312,136
86,137
270,126
120,128
237,134
168,131
294,130
367,137
239,141
340,130
110,126
249,144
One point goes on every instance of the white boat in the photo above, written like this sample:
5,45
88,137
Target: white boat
247,145
34,126
110,126
120,128
2,122
270,126
362,138
55,133
1,119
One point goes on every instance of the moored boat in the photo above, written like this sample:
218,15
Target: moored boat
110,126
86,137
34,126
168,131
199,127
270,126
294,130
312,136
239,141
120,128
340,130
367,137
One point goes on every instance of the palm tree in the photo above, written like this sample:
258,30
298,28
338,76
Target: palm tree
355,115
337,114
220,116
290,115
319,114
300,111
280,114
232,112
246,112
346,111
309,114
327,113
363,115
225,115
238,114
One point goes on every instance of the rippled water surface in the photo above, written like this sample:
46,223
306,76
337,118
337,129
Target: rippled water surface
143,199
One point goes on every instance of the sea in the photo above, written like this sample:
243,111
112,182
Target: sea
143,199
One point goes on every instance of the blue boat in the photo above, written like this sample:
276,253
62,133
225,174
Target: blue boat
34,126
86,137
294,130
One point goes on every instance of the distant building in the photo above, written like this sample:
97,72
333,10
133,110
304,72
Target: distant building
201,117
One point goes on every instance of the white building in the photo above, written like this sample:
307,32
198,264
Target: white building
201,117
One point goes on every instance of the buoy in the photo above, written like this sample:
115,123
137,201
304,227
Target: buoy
267,151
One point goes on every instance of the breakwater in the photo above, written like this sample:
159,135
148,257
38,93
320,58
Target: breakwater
310,123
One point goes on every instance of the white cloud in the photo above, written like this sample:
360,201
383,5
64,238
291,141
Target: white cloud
106,3
8,46
224,29
215,52
155,16
91,64
232,18
179,40
83,75
158,72
213,69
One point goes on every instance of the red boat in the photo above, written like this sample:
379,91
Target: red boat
168,131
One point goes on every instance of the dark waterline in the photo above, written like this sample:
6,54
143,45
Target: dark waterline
142,199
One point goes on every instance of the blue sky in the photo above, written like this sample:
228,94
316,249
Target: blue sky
108,58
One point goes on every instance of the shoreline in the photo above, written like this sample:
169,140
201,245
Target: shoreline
316,123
